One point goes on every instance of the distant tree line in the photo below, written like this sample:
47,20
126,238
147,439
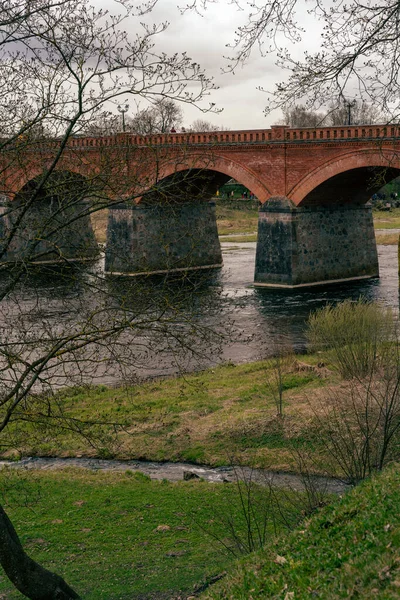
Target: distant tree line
163,116
337,115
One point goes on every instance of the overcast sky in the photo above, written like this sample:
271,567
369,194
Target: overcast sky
204,38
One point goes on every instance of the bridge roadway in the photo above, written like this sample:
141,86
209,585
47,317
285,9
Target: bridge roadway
315,224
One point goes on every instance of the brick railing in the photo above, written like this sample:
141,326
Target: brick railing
277,133
343,133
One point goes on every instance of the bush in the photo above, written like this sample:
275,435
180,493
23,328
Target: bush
359,422
354,336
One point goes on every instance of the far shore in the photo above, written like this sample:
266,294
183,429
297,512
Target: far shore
240,225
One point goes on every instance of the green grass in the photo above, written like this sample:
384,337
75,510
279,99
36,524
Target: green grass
121,536
176,419
350,549
239,238
236,220
387,219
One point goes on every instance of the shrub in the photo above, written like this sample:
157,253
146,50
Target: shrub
359,421
354,336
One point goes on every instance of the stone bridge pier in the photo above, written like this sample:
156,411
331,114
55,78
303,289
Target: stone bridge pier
162,238
46,234
296,247
312,245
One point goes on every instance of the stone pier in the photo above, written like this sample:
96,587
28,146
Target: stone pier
314,245
47,235
162,238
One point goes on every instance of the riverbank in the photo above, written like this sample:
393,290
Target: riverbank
116,534
120,536
221,416
176,472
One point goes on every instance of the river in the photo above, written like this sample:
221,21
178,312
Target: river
279,316
257,319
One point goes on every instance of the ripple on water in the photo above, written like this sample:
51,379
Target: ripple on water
263,317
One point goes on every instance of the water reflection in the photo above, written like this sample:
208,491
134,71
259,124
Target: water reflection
277,316
250,322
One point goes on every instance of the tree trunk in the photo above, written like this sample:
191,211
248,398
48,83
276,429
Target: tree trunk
29,578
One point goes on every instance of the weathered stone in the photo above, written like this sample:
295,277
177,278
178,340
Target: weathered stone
41,239
162,239
314,245
188,475
323,167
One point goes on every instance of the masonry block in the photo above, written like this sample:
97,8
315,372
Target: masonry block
47,234
314,245
162,238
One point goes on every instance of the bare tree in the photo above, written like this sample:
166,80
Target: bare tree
337,115
353,112
62,65
359,422
200,125
278,367
299,116
106,123
358,52
164,115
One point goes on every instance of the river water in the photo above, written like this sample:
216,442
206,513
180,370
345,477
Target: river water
180,471
253,321
280,316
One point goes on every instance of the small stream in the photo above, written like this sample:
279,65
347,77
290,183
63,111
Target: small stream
181,471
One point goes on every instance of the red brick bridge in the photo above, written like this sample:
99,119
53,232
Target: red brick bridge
315,228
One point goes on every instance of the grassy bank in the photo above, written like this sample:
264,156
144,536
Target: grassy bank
350,549
387,219
208,417
121,536
250,237
235,220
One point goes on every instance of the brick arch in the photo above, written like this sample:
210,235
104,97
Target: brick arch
220,164
358,163
18,179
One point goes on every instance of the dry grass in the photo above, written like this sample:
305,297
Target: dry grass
204,418
223,415
237,225
99,224
387,239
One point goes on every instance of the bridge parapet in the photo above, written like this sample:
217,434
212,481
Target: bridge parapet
276,134
356,132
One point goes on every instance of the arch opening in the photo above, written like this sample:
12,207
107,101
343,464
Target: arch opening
189,185
179,222
350,187
59,190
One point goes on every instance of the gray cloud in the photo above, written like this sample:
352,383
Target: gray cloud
205,40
